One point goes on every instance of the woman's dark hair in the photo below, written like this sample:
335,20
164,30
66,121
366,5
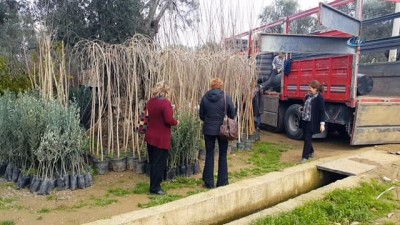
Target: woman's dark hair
315,84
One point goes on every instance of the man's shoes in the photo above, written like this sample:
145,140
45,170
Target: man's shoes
160,192
311,155
303,160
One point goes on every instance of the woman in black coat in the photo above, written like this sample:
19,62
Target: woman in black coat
212,112
312,117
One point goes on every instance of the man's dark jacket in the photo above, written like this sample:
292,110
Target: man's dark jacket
212,111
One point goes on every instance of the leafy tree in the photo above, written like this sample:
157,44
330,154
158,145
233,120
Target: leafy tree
282,8
181,13
112,21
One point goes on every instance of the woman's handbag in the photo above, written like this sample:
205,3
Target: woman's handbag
229,129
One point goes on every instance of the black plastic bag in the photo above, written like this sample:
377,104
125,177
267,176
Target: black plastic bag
3,169
60,183
35,184
9,172
15,174
44,186
66,180
73,180
88,180
23,181
81,181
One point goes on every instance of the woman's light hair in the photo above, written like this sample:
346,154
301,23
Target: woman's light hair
216,83
160,90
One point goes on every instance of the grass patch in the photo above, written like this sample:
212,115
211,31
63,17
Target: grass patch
195,192
7,222
264,158
182,182
103,201
7,203
7,185
342,206
141,188
159,200
51,197
44,210
120,191
65,207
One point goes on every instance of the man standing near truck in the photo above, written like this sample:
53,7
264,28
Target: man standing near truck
276,74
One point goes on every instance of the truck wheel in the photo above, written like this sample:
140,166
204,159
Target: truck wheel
292,122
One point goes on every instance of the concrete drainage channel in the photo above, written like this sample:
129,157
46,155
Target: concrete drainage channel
248,200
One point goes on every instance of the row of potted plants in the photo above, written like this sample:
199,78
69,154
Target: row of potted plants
41,143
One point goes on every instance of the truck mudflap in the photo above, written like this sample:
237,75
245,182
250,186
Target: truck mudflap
376,123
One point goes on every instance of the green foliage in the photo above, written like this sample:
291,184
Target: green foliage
340,206
111,21
121,192
7,203
182,182
185,138
141,188
43,211
103,201
7,222
16,27
40,136
265,158
159,200
12,77
282,8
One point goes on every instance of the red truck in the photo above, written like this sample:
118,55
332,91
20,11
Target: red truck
368,119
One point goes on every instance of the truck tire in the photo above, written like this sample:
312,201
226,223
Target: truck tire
292,122
281,119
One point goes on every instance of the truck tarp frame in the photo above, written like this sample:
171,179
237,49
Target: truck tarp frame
334,19
293,43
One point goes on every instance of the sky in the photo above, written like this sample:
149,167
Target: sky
224,18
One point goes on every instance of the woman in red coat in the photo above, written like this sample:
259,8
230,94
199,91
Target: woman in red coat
158,134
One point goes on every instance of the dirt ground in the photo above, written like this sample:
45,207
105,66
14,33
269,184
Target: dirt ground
75,207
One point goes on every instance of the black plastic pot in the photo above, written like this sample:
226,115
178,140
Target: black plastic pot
44,187
73,182
35,184
88,180
171,174
101,166
196,167
141,167
15,174
51,186
130,163
182,171
147,169
60,183
23,181
249,145
202,154
66,181
233,147
81,181
9,172
3,168
189,170
241,146
118,165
